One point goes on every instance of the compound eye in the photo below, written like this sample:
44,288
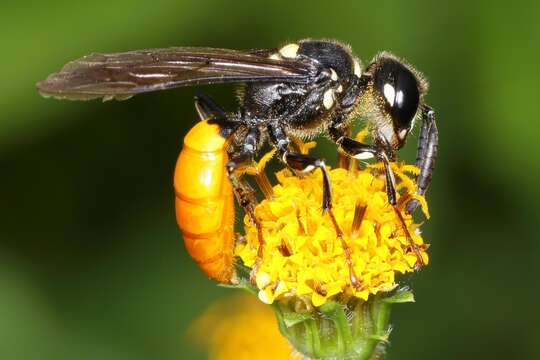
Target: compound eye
399,87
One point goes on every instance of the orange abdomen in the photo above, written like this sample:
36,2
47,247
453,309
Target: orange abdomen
204,201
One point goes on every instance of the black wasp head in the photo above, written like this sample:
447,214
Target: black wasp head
398,90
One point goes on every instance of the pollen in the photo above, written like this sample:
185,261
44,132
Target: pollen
304,255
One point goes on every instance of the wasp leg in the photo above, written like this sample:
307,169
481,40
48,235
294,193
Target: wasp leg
300,162
209,110
304,164
245,196
347,250
426,155
344,161
392,199
359,150
239,164
244,163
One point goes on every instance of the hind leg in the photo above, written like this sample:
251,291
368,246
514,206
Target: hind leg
240,164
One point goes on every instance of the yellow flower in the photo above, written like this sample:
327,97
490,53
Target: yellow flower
303,255
241,328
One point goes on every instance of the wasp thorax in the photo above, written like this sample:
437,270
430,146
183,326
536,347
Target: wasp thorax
399,89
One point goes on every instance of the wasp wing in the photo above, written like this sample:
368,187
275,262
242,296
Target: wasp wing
122,75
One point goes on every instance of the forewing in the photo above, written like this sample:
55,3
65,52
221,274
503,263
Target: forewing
122,75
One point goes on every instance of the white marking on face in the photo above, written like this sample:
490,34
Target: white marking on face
289,51
333,75
328,98
357,68
403,133
275,56
339,89
363,155
389,93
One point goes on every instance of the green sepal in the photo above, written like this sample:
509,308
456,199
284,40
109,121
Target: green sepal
401,296
382,338
241,284
291,318
242,271
242,279
331,309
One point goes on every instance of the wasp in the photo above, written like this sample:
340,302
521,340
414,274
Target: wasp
297,91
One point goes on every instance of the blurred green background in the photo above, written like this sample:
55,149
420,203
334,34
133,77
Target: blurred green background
92,265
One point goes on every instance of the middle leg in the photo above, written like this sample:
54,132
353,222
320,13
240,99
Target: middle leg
304,164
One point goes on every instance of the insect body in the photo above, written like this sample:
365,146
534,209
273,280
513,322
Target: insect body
301,90
204,201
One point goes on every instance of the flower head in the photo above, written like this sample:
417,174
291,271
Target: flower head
303,253
331,277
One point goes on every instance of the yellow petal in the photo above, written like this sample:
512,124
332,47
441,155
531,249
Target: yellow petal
317,299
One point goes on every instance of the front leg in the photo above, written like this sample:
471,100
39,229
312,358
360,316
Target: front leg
362,151
426,155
